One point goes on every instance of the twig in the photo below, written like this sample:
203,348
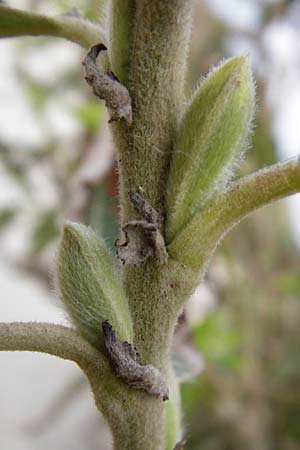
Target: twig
56,340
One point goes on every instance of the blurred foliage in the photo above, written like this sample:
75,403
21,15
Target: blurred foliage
6,216
59,160
90,115
219,340
44,231
248,398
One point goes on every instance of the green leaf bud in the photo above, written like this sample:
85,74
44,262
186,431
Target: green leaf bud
211,139
89,286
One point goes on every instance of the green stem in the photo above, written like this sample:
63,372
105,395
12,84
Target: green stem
156,83
136,419
53,339
159,42
15,22
198,240
111,395
158,35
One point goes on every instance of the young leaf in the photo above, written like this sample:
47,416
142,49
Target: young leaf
89,285
15,22
211,138
195,244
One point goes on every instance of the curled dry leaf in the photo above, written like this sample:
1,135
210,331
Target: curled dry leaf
180,445
107,87
146,211
123,358
143,238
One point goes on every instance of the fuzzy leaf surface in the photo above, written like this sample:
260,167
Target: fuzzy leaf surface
210,140
89,285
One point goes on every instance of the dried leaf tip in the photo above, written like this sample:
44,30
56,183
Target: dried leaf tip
180,445
107,87
143,238
124,360
146,211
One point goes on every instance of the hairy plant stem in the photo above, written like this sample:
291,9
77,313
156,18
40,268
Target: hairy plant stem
156,81
158,36
149,42
53,339
15,22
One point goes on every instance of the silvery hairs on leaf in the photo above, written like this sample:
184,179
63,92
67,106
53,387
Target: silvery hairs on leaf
123,358
89,285
143,238
210,141
107,87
